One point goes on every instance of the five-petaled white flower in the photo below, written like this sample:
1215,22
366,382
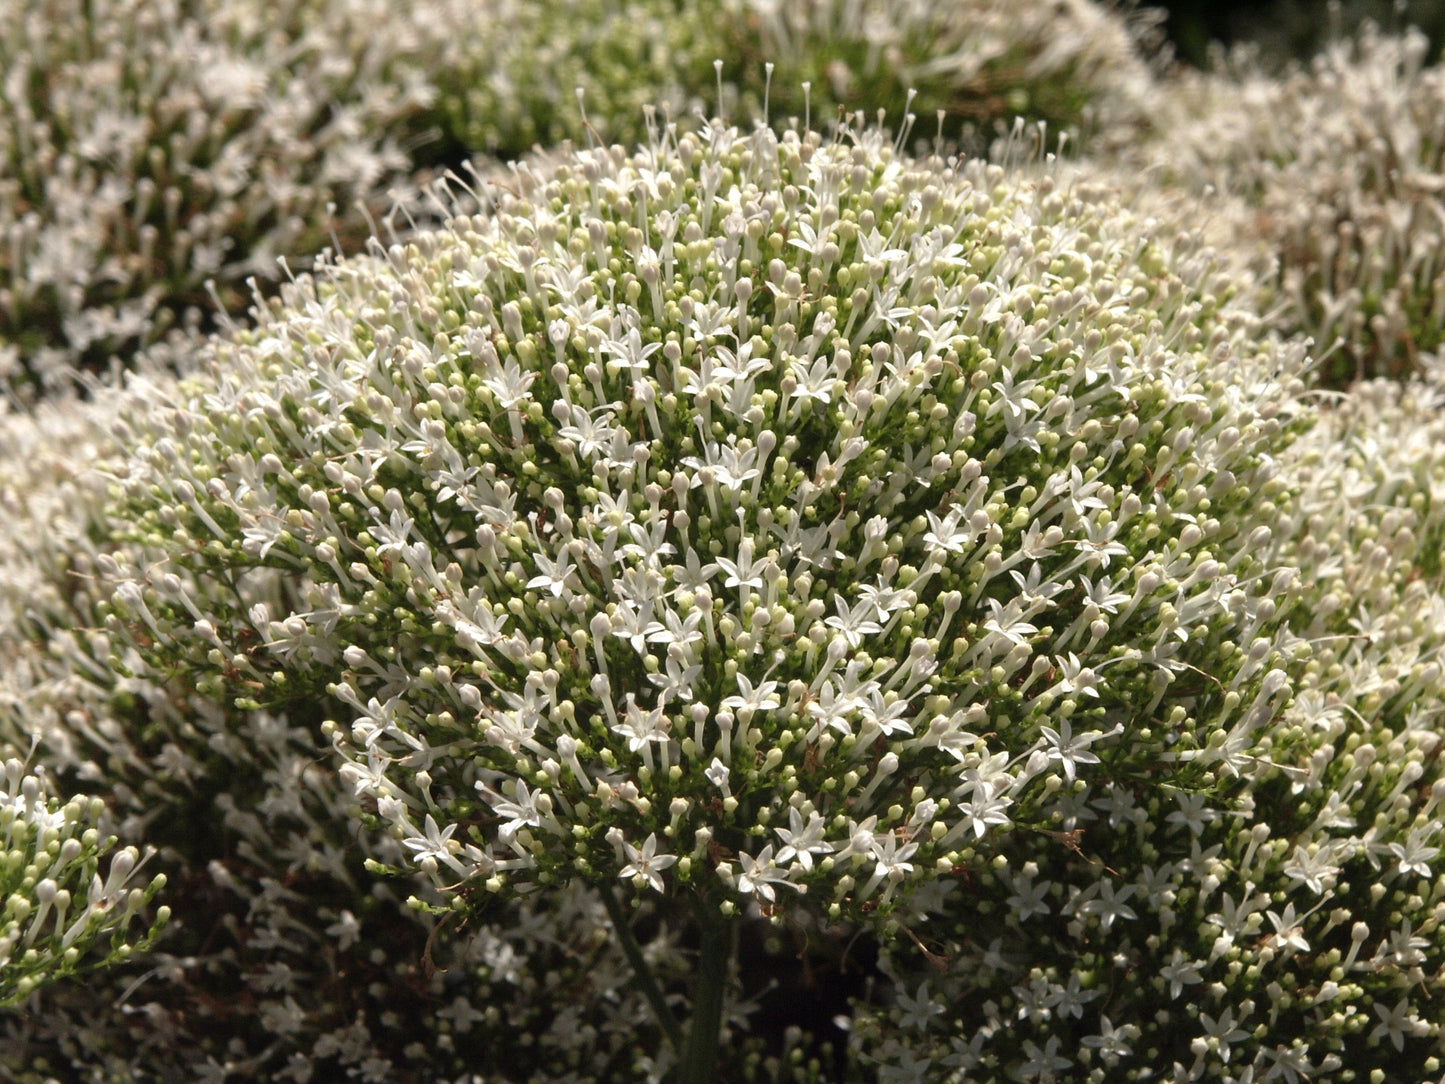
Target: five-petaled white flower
645,865
436,846
760,874
1069,751
802,840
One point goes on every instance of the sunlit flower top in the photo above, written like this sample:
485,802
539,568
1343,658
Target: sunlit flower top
154,146
762,516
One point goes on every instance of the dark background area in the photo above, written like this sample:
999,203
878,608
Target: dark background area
1289,29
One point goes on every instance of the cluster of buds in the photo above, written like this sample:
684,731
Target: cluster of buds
759,517
161,148
57,905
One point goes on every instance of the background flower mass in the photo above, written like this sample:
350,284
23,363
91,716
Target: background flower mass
695,559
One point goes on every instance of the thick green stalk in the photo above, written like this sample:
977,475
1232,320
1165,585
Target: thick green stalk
645,978
699,1060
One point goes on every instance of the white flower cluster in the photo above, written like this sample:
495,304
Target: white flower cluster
651,530
57,905
764,516
1340,170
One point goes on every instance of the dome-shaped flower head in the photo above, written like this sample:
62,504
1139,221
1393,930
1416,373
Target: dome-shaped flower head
759,519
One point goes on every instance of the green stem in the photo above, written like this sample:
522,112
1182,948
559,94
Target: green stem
645,977
699,1059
